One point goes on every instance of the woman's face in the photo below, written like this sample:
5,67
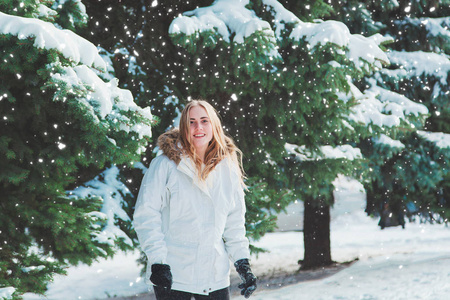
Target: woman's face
200,129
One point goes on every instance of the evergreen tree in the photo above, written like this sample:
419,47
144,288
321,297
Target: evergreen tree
62,116
409,176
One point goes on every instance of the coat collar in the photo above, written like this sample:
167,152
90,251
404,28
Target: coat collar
187,166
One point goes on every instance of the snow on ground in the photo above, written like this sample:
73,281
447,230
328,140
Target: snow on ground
394,263
104,279
418,275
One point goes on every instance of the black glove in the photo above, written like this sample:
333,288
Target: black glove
161,276
248,284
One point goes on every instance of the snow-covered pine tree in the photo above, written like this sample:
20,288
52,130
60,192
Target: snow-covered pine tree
62,115
410,173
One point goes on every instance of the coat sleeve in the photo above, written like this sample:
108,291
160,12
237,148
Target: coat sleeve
236,243
147,217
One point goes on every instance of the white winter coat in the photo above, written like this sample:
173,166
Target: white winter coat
195,227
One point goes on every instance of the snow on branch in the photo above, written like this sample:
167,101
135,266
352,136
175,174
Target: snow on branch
435,27
227,18
47,36
232,17
111,190
440,139
385,140
281,16
397,104
105,99
421,63
328,152
6,292
45,12
361,50
381,107
370,110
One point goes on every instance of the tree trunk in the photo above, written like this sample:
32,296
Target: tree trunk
316,235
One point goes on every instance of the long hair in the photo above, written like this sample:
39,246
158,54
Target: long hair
220,147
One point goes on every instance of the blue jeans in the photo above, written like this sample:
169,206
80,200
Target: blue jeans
162,294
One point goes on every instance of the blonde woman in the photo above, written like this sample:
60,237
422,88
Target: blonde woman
190,211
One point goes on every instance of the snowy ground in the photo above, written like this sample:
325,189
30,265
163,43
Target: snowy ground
393,264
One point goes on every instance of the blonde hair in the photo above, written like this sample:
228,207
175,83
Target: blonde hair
220,147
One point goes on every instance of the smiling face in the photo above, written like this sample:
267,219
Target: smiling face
200,129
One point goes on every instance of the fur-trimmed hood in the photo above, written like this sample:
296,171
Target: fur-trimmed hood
169,145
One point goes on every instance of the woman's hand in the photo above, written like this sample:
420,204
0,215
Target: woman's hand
161,276
248,284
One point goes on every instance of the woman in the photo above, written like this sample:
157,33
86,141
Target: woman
190,211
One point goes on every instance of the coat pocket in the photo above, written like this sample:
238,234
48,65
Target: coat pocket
181,258
221,263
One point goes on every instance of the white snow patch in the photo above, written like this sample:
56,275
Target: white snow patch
328,152
384,139
110,189
226,17
6,292
47,36
419,62
105,99
442,140
360,49
381,107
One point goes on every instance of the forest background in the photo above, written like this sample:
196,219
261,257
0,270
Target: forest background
309,90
